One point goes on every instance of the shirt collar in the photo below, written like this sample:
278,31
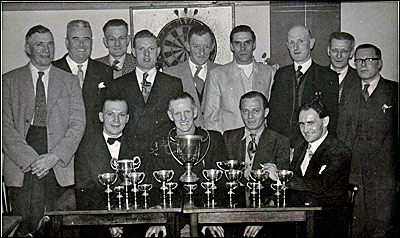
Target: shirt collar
342,73
247,134
317,143
304,66
152,74
121,61
35,71
106,136
372,85
193,67
74,66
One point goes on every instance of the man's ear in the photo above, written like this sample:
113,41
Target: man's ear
232,49
325,121
105,42
170,115
312,43
187,46
27,49
329,51
66,43
158,51
195,112
127,118
101,117
133,51
266,111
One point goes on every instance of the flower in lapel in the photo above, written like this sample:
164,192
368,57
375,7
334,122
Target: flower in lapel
384,107
100,86
322,169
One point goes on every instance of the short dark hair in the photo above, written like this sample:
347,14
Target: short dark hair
242,28
342,36
114,99
36,29
317,104
182,95
254,94
115,22
144,34
370,46
200,30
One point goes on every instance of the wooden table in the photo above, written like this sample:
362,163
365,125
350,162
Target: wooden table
9,223
167,216
250,215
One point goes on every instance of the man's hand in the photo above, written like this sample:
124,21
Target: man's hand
252,231
216,231
43,164
156,230
116,231
271,169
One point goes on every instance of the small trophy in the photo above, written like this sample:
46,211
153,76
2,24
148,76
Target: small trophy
285,176
231,164
186,151
136,178
108,179
145,188
119,189
233,176
171,186
190,188
212,175
163,176
258,176
208,186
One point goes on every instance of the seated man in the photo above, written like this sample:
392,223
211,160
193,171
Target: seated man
321,167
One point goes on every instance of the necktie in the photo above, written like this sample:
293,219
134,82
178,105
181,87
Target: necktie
146,87
298,73
299,77
365,92
80,75
198,82
40,103
114,65
251,150
340,88
306,160
111,141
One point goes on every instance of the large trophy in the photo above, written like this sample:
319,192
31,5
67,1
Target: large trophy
186,151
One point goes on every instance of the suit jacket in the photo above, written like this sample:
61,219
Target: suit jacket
223,91
321,187
92,95
348,82
183,72
317,78
272,148
65,123
148,121
128,66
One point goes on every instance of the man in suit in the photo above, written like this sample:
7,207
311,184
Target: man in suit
195,71
321,167
147,92
94,77
229,82
43,122
297,83
116,39
340,51
368,123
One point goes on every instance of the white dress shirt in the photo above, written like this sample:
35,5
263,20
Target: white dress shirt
114,148
342,73
248,159
45,79
151,78
313,148
74,66
304,66
372,85
203,71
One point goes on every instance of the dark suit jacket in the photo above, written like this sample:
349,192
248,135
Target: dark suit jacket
317,78
348,82
92,96
328,187
148,121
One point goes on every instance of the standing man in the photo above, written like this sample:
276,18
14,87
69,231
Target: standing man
229,82
43,122
298,83
93,76
340,51
368,123
116,39
147,92
195,71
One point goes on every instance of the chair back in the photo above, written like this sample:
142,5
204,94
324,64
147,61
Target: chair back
352,190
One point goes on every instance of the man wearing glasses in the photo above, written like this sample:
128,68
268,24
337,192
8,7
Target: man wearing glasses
368,124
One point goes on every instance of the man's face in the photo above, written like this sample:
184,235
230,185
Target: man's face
40,48
299,44
200,48
311,126
340,52
182,112
367,70
114,117
146,53
242,46
253,113
79,43
116,39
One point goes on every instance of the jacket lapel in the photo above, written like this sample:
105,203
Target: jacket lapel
317,159
26,84
54,89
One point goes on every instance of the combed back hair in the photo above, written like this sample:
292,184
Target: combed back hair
371,46
254,94
200,31
144,34
78,24
342,36
304,27
114,99
115,22
36,29
316,104
242,28
182,95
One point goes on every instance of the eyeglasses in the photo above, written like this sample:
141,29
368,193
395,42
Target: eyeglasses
366,60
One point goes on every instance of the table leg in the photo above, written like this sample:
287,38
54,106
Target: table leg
193,225
172,227
310,223
55,226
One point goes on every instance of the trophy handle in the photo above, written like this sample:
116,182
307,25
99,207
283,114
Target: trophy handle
155,177
113,164
291,175
137,162
208,146
115,180
204,174
173,173
170,138
144,175
219,165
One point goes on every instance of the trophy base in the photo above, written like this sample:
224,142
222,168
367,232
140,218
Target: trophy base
189,178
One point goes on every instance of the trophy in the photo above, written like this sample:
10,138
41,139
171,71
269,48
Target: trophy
136,178
231,164
108,179
186,152
277,187
233,176
285,176
163,176
171,186
145,188
212,175
119,189
258,176
190,188
208,186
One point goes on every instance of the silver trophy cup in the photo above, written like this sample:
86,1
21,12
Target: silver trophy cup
108,179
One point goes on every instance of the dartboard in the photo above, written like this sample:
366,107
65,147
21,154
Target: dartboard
172,39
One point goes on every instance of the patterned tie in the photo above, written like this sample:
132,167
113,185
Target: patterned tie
341,85
365,92
306,160
299,77
146,87
80,75
298,73
251,150
198,82
114,65
40,103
